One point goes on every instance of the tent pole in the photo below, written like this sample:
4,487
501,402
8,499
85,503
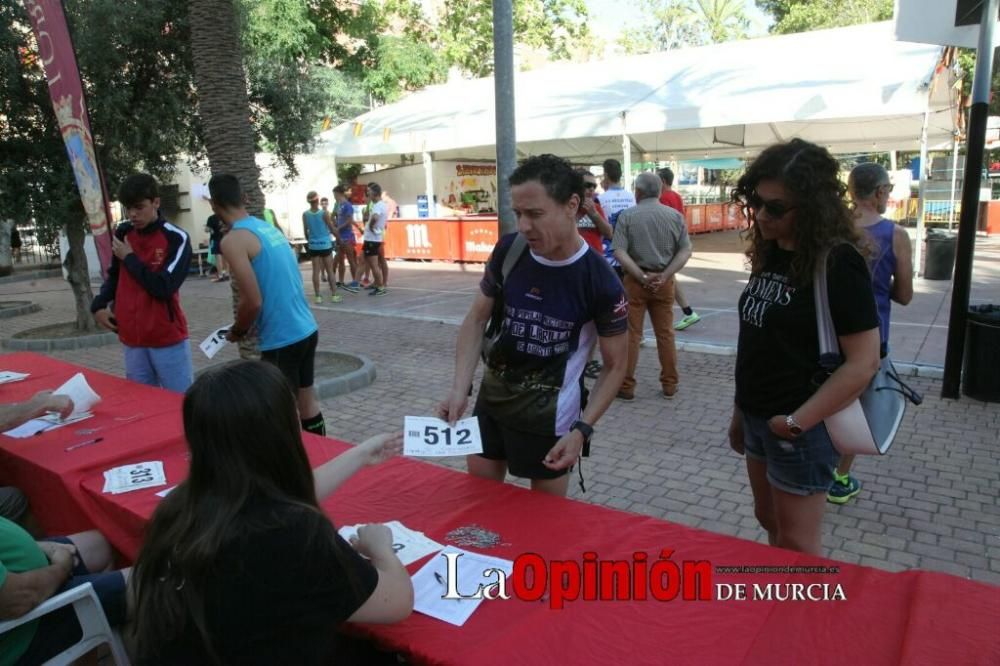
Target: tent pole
922,190
974,153
503,91
626,157
429,184
892,160
954,177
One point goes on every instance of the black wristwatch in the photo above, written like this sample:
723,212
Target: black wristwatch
587,431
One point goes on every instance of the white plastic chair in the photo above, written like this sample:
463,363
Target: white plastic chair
96,630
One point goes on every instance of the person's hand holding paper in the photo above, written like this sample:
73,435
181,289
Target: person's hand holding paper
78,390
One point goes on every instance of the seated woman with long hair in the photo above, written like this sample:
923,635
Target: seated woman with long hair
795,202
240,565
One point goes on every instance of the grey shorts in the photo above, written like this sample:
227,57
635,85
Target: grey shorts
803,466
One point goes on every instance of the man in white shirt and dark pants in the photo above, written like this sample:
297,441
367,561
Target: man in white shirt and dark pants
374,247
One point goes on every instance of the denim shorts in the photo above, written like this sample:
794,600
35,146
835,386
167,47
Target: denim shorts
803,466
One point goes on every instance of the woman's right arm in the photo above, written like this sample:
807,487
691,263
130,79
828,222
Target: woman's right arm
861,362
392,600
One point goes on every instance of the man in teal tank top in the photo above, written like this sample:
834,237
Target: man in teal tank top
272,297
319,233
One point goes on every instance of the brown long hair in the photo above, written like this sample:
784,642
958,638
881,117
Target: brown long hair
822,216
242,428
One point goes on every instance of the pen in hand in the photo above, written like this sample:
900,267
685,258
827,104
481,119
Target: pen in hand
87,443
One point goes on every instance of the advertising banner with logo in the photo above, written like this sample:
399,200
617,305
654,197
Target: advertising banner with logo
55,50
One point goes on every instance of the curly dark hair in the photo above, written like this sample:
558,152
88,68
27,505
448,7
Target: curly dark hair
822,216
560,180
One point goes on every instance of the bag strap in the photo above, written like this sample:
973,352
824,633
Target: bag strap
828,345
514,253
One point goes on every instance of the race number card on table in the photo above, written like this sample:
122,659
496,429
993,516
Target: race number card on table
127,478
426,436
9,376
409,545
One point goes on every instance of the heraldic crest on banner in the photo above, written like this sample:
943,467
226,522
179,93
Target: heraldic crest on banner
80,147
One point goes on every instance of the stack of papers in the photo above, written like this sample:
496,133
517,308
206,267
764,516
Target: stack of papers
409,545
8,376
78,390
435,579
127,478
45,424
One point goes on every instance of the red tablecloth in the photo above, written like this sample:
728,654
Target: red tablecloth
888,618
132,419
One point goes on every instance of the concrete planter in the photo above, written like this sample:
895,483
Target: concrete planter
337,373
17,308
34,339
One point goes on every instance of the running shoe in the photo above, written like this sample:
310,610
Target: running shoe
340,285
689,320
624,395
592,369
336,298
318,300
844,488
352,287
379,291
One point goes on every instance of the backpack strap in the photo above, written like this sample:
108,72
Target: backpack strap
514,253
824,320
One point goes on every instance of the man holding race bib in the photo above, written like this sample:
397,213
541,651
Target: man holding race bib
559,299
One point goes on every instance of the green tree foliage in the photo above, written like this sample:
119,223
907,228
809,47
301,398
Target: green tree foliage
291,89
135,61
136,73
803,15
466,30
672,24
403,64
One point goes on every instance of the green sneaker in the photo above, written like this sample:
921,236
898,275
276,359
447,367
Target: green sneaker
690,319
336,298
843,488
318,300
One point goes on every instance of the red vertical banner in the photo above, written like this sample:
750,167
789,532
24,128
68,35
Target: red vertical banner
55,50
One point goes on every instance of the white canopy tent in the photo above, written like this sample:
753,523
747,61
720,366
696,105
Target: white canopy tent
852,89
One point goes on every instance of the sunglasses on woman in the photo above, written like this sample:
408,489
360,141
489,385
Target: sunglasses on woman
774,209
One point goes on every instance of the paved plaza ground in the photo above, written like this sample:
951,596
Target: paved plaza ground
931,503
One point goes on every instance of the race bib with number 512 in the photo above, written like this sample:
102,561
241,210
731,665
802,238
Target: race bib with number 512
427,436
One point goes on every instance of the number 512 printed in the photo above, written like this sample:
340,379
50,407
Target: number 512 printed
425,436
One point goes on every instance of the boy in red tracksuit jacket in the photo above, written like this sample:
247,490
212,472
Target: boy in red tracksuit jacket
147,312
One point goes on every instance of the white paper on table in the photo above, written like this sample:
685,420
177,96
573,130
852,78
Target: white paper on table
429,589
211,345
44,424
9,376
408,544
127,478
78,390
427,436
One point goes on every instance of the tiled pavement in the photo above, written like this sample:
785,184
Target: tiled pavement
931,504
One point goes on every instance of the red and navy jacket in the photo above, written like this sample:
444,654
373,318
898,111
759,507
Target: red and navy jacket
146,303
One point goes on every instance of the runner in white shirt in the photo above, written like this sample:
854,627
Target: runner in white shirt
614,200
374,247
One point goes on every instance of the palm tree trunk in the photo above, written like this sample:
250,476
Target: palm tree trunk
224,106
